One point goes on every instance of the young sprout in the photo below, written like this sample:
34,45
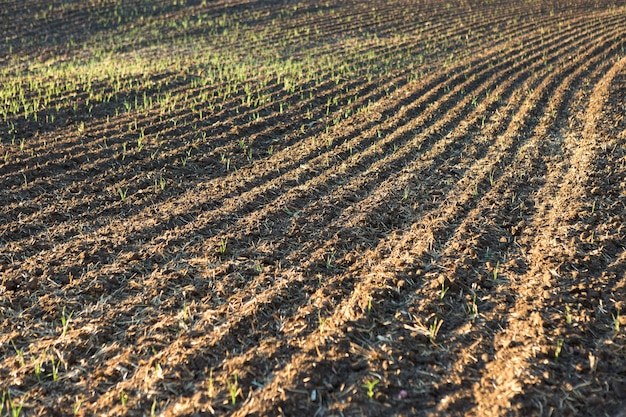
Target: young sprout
559,347
433,329
124,398
123,193
15,408
153,408
55,368
444,290
77,404
65,321
405,195
233,389
210,390
330,258
369,385
472,307
19,352
223,244
616,320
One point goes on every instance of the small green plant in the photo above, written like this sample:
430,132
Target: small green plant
153,408
158,370
443,291
77,404
405,194
472,307
233,389
369,386
223,246
559,348
321,322
330,258
140,139
123,192
37,365
496,270
65,321
123,398
19,353
433,329
55,368
15,408
210,390
616,320
568,315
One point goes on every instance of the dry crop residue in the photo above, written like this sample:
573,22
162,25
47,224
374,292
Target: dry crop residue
313,208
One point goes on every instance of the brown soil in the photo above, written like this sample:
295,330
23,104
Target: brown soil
450,230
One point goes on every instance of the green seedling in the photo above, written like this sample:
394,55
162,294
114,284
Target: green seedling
140,144
223,246
65,321
330,258
472,308
123,192
158,371
433,329
19,353
15,408
38,369
55,368
210,390
444,290
290,212
559,348
321,322
369,386
616,320
77,404
153,408
568,315
233,389
495,271
123,398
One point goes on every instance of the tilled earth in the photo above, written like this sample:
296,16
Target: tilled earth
436,228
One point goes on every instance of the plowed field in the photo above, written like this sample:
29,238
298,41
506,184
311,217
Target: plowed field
300,208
